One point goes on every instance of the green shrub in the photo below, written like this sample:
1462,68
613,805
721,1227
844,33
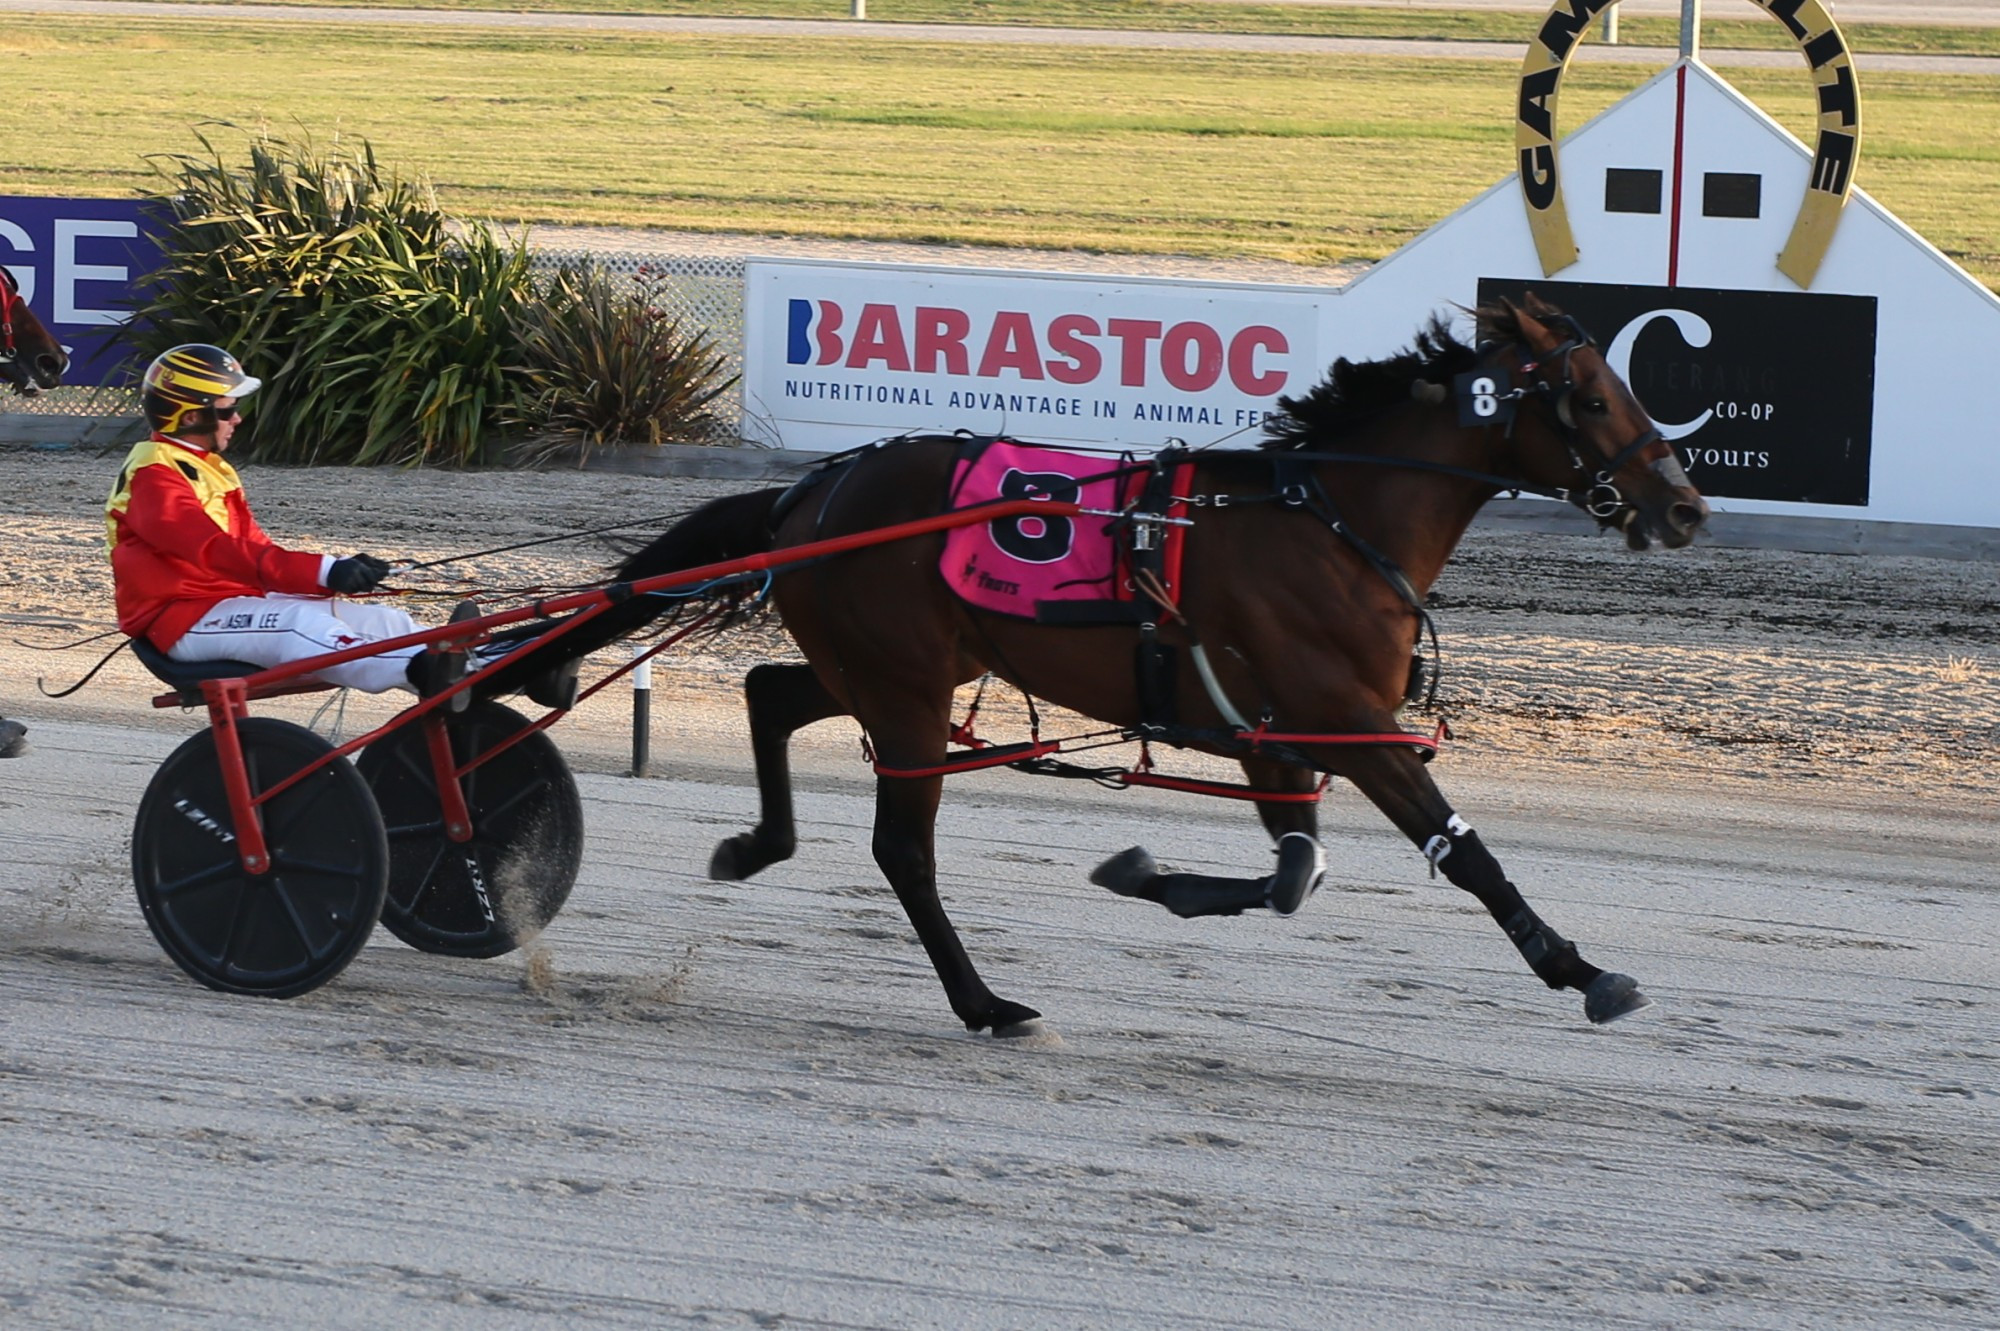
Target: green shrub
602,362
381,331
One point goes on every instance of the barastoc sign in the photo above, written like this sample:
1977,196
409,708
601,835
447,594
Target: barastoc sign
837,354
1763,394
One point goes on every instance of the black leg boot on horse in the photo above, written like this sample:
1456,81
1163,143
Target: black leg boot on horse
1457,852
1301,863
1397,783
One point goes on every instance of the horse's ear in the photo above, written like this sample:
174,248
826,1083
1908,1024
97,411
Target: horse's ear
1528,316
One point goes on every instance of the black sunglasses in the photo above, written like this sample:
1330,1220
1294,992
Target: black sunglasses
229,413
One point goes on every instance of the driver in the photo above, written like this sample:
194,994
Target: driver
197,577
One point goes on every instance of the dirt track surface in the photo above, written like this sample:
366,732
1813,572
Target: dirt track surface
1763,783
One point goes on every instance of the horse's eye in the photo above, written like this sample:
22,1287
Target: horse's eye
1596,406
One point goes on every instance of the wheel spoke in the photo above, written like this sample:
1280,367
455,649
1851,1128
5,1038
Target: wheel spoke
524,790
221,958
298,919
406,755
199,878
430,877
299,864
298,801
435,827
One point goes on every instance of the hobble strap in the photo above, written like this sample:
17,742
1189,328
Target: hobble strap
1438,847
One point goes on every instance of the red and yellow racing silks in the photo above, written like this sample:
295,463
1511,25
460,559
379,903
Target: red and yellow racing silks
181,538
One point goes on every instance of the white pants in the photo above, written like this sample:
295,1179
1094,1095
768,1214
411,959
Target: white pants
276,629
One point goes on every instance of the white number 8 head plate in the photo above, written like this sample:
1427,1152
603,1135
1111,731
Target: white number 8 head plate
1483,399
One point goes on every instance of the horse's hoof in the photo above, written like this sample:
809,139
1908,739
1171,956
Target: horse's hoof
1000,1016
727,864
1611,996
1127,872
1033,1032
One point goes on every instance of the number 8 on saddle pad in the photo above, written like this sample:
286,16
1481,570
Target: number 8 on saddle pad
1054,569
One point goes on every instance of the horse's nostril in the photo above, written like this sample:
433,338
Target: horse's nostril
1686,517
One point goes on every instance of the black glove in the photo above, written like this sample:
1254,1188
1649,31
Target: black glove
356,574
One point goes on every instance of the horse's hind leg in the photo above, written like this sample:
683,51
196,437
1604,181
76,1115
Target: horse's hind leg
1396,782
1293,826
781,699
1294,829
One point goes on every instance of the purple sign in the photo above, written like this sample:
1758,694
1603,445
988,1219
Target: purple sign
78,262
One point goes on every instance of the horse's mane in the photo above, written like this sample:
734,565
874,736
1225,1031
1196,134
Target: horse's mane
1353,391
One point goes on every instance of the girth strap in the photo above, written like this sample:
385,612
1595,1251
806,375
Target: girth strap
1155,665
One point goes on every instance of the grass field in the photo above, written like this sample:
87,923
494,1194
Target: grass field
1718,29
1307,158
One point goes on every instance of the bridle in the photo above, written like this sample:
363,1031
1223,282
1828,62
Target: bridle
1599,494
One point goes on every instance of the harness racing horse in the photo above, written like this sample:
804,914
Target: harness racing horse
1303,578
30,357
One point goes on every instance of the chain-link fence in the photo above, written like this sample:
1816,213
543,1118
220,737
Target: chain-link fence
705,293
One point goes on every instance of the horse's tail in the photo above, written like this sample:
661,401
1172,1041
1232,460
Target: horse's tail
733,527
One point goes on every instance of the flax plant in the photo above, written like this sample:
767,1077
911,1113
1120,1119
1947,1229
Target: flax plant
380,329
601,361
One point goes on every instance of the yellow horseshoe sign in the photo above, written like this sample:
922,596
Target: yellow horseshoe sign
1834,156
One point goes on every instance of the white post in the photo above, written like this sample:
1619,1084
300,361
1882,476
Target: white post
1690,29
642,708
1610,30
860,9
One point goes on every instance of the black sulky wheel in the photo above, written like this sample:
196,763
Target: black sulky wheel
290,929
485,896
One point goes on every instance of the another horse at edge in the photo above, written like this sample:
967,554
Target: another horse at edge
30,357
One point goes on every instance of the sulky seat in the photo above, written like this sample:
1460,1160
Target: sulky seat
185,677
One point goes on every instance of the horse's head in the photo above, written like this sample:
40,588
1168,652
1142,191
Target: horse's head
30,357
1590,437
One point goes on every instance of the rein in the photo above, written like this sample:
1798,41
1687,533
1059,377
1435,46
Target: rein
539,540
1599,483
1505,483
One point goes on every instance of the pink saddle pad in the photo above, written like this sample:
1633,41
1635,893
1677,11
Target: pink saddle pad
1012,565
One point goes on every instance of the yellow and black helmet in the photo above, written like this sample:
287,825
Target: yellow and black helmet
188,378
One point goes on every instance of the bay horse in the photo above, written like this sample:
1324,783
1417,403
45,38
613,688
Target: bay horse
30,357
1304,573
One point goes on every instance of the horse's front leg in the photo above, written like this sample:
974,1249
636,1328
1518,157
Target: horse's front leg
1394,779
782,699
905,849
1293,827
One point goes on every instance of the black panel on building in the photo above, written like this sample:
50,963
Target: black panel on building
1731,194
1631,190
